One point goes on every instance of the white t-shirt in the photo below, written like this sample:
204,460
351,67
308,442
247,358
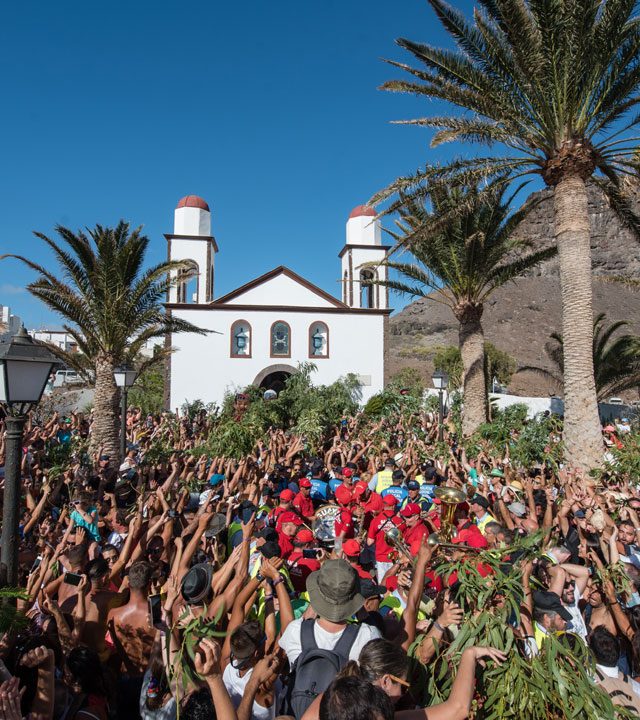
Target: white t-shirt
236,686
576,624
290,641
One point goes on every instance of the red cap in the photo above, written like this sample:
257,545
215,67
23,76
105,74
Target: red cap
343,495
305,483
304,536
360,488
390,500
347,472
410,509
351,548
289,517
287,495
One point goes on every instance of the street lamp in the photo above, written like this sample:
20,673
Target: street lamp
440,381
25,367
125,376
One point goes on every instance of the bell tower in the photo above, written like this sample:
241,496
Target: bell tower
192,240
364,245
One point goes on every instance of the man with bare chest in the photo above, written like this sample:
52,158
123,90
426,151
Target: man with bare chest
133,637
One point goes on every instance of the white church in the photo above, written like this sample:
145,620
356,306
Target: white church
262,330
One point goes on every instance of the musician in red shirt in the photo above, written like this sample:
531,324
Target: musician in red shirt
302,503
300,567
381,524
344,524
415,529
285,502
289,524
351,550
344,492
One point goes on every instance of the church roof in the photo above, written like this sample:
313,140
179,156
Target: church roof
362,210
193,201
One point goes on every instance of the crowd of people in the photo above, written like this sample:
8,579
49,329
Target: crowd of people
293,584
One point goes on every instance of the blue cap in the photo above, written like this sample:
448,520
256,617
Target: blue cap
413,485
216,479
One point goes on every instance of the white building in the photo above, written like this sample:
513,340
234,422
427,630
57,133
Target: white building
59,338
9,324
263,329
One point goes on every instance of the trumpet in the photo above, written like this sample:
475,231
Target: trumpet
434,541
393,537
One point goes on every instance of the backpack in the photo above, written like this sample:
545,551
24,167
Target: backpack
620,690
315,668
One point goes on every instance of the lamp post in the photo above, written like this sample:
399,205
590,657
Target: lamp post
440,381
25,367
125,376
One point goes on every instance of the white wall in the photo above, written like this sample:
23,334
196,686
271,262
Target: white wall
364,230
283,289
203,369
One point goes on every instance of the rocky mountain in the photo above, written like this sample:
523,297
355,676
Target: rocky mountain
519,316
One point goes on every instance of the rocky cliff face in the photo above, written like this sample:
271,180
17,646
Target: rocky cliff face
519,317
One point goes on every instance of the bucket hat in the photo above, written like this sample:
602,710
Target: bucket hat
334,591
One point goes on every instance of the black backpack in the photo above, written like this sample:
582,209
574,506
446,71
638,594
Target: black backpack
315,669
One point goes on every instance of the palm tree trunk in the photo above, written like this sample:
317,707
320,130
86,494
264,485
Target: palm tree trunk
471,338
582,433
106,425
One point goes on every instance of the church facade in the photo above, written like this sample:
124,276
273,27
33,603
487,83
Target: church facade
261,331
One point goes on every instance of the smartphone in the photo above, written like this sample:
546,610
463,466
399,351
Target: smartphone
36,564
72,578
310,553
155,610
172,514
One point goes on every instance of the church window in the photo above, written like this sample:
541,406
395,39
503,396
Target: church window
366,289
280,339
318,340
188,285
345,288
241,339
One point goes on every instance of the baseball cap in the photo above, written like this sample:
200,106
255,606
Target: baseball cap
479,500
410,509
304,483
289,517
351,548
216,479
268,533
104,457
398,475
368,588
343,495
287,495
547,600
472,538
413,485
496,473
360,488
517,508
304,536
390,462
347,472
390,500
270,549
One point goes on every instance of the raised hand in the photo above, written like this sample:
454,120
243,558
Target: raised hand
207,659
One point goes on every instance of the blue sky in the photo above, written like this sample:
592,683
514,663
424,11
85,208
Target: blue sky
269,111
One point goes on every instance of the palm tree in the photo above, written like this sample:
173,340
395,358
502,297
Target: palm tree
111,307
616,363
553,84
462,258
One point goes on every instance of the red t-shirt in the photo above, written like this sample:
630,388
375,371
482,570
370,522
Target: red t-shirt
379,526
374,504
415,533
344,521
304,505
286,546
344,494
300,568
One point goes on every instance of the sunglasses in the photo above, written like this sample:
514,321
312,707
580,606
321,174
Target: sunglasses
400,682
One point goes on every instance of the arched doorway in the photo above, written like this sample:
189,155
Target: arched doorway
274,377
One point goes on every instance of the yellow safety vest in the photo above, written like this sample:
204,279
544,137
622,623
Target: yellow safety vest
385,480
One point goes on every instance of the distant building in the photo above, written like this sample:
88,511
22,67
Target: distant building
265,328
59,338
9,324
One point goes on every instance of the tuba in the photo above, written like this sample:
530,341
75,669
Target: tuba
450,499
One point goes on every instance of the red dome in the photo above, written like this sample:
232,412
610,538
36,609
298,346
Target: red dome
193,201
362,210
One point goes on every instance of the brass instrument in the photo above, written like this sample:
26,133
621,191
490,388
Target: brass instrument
394,538
434,541
450,499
